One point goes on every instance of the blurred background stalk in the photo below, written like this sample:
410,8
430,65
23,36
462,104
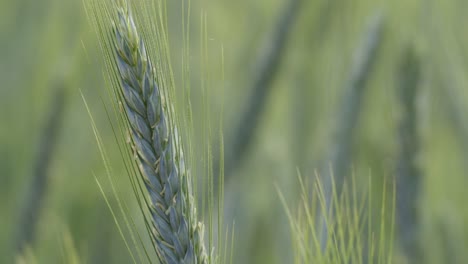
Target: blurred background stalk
265,70
408,180
39,181
338,162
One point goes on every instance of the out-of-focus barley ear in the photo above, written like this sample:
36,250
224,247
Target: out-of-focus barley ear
350,225
264,72
33,203
408,174
338,162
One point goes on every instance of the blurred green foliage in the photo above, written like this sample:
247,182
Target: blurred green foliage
43,43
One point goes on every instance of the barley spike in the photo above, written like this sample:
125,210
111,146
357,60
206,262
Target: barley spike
177,235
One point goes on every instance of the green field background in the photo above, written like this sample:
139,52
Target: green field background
50,44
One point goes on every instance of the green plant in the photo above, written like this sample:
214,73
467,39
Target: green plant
33,205
149,117
409,177
351,232
341,150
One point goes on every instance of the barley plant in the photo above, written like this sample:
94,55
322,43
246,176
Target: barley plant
149,117
352,236
34,203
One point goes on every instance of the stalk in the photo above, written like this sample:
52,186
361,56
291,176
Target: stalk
347,119
267,66
34,202
408,174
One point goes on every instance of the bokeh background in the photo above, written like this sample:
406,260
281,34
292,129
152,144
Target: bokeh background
295,68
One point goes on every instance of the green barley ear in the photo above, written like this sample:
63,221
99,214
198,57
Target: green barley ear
148,116
177,234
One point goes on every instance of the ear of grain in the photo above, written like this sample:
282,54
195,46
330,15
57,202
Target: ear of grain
409,175
348,117
350,222
266,68
177,235
33,204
